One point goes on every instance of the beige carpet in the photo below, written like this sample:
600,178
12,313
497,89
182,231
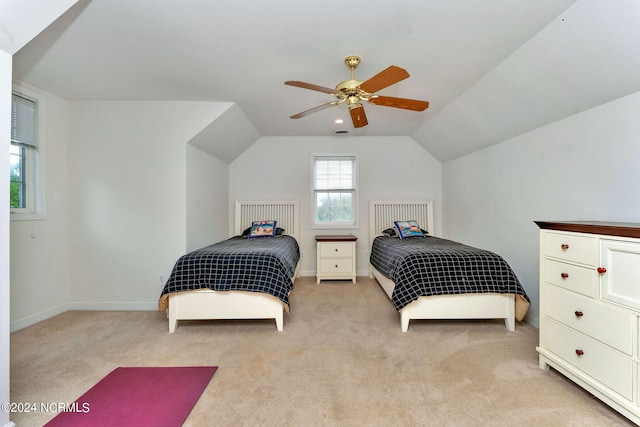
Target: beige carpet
340,361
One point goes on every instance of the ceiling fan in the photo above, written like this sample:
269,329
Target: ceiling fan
353,92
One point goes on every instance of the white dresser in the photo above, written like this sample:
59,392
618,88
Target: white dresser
336,257
590,308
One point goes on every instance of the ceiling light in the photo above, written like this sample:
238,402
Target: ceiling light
338,121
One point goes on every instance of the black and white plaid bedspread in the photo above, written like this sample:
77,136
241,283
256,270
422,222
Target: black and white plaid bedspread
435,266
238,264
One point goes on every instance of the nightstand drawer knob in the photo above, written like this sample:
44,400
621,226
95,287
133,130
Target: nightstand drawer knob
579,313
579,352
564,275
602,270
564,246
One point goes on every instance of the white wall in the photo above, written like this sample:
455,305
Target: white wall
5,319
128,198
39,248
20,24
207,199
585,167
390,168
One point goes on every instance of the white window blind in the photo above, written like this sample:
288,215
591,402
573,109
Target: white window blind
23,121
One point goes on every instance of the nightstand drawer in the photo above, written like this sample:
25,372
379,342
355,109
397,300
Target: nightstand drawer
336,250
338,266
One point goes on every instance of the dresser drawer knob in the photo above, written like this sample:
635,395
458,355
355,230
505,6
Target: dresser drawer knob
336,265
602,270
564,275
564,246
579,352
579,313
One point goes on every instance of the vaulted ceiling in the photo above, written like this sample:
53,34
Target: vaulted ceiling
491,69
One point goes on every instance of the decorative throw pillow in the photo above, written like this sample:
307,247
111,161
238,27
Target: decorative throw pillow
262,229
390,232
408,229
247,231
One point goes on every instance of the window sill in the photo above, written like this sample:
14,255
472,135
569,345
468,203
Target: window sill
19,216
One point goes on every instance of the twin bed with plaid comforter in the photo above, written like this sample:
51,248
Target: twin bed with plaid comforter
264,265
433,266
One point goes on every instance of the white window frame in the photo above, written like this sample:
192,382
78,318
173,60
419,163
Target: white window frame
34,209
314,212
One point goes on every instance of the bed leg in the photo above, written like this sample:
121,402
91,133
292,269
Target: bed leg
279,322
510,323
510,320
404,322
173,322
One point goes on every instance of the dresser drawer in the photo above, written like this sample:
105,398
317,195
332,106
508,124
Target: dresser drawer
571,247
336,250
572,277
606,365
603,322
337,266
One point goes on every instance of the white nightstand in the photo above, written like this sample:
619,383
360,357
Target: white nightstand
336,259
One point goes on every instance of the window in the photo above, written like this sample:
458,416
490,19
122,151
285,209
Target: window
23,155
334,190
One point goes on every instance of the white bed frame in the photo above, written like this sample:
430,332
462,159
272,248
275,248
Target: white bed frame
464,306
209,305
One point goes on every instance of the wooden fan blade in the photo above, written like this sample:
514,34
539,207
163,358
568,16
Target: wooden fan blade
310,86
407,104
358,117
384,78
312,110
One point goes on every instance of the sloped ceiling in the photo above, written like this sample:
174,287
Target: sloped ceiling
228,136
586,57
490,69
18,23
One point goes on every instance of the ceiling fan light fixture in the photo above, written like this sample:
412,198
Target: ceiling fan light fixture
358,116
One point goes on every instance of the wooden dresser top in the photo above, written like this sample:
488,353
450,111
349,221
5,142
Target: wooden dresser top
623,229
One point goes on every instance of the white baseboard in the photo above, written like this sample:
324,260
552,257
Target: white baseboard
38,317
306,273
113,306
82,306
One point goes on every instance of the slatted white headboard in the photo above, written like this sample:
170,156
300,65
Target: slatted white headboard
383,213
285,212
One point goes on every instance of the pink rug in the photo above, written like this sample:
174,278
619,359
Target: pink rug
154,397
